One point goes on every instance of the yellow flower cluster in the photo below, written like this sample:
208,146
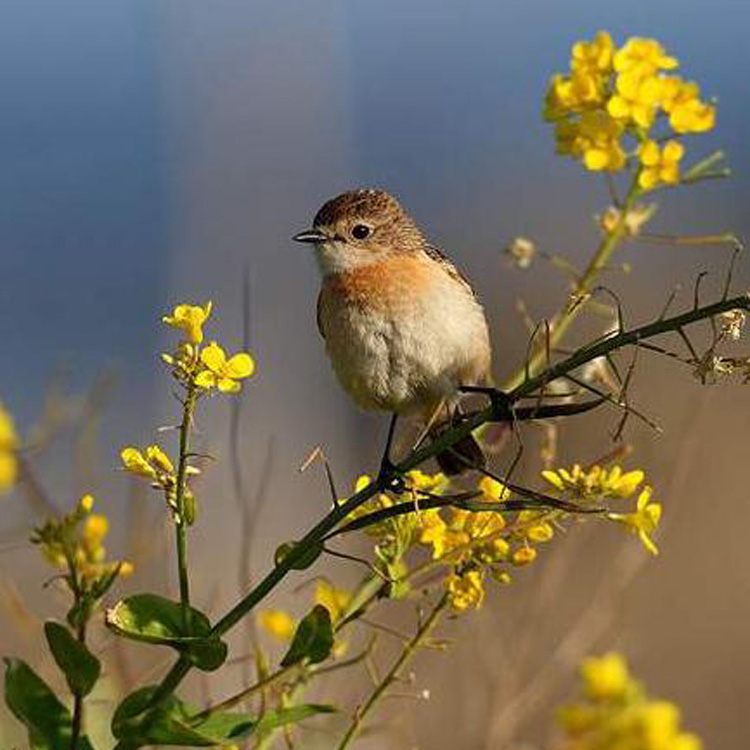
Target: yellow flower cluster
471,543
154,464
617,712
8,447
611,93
479,542
596,483
204,367
75,542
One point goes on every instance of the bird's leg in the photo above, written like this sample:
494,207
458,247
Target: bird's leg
388,474
502,406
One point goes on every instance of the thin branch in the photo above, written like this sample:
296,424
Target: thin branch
394,672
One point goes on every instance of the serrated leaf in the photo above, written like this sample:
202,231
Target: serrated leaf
32,702
80,667
154,619
313,638
173,722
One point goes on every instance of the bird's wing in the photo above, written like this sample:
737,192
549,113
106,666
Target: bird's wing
447,265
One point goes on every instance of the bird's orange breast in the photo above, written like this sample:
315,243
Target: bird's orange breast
380,286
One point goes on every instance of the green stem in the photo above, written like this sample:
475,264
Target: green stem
393,673
562,321
188,413
78,698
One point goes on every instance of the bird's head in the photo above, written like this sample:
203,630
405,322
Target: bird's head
359,228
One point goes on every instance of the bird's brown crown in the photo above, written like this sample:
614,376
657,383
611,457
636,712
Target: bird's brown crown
370,219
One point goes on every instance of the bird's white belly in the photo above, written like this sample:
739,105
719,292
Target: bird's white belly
409,356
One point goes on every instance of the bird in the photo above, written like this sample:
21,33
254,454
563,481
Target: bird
403,328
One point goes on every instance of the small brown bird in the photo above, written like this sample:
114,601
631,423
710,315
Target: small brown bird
403,328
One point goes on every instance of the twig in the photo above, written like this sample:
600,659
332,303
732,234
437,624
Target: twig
393,673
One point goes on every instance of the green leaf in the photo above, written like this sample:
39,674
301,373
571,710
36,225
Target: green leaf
307,558
313,639
32,702
275,719
154,619
166,723
173,722
80,667
207,654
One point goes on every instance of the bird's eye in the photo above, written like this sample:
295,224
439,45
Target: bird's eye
360,231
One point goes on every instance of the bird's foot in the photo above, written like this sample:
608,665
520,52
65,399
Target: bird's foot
390,478
500,402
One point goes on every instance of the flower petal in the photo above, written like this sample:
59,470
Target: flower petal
240,366
213,357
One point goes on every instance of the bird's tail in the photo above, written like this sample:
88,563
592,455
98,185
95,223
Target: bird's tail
464,455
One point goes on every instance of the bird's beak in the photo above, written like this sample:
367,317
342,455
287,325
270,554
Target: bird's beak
310,235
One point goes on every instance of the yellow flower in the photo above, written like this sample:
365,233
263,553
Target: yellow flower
617,712
190,318
465,590
523,556
419,480
126,568
605,677
492,490
687,113
595,138
134,462
660,721
86,503
334,600
492,551
643,57
95,529
433,530
8,447
477,524
541,532
595,55
637,99
76,540
277,623
224,373
585,87
567,94
595,483
644,521
659,167
159,459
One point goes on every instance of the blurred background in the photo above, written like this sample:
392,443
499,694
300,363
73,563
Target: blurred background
159,152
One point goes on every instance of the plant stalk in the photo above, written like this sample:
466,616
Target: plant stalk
188,413
562,320
393,673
